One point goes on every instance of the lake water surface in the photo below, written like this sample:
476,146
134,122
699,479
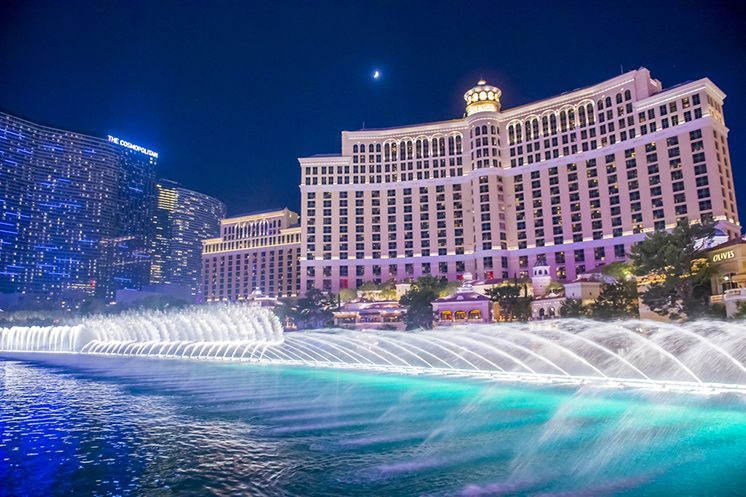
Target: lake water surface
86,425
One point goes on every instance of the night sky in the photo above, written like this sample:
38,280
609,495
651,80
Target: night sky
231,93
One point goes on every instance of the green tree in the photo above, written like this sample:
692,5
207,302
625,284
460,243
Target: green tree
314,310
438,284
573,308
675,273
619,271
506,296
618,300
388,290
419,301
419,308
522,309
513,306
347,294
368,286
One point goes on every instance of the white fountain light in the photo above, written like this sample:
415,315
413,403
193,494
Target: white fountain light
705,357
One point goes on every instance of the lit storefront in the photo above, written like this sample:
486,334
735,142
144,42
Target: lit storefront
729,280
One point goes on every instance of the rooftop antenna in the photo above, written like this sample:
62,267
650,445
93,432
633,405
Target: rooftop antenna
363,124
621,69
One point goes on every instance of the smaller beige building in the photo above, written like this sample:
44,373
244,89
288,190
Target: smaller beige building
549,306
464,306
257,251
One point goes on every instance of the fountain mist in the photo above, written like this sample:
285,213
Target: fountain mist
705,356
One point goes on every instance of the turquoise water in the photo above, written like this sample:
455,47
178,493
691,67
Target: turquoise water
76,425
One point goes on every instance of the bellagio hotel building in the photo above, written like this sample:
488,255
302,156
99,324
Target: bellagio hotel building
573,181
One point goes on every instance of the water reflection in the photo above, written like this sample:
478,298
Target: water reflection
84,425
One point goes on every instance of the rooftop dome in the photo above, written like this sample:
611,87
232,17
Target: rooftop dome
482,98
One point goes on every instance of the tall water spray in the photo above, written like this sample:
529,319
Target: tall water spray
150,332
704,355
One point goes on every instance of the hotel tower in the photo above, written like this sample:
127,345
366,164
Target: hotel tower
75,213
573,181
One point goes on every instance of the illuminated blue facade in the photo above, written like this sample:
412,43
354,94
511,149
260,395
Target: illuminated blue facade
75,214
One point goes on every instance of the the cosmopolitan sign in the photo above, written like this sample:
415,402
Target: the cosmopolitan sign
132,146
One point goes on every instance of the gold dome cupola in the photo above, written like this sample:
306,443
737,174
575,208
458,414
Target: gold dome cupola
482,98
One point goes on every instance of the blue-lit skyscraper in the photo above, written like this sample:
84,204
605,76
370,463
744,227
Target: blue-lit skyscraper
183,218
75,213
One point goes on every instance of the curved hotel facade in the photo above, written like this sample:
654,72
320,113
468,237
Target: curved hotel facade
572,180
83,216
76,216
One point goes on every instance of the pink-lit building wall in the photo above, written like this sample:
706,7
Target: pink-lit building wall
574,179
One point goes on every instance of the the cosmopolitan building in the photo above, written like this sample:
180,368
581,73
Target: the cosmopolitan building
183,218
254,251
75,212
574,180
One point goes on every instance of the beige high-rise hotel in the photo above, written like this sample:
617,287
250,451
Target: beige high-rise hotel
573,180
256,252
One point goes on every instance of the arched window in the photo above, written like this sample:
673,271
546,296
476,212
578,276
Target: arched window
563,120
418,146
581,115
446,316
535,125
618,98
518,133
451,145
442,146
458,144
608,102
600,104
529,136
460,315
387,151
511,134
475,314
484,129
571,118
591,117
545,125
354,149
493,129
627,95
477,131
378,148
553,123
426,148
